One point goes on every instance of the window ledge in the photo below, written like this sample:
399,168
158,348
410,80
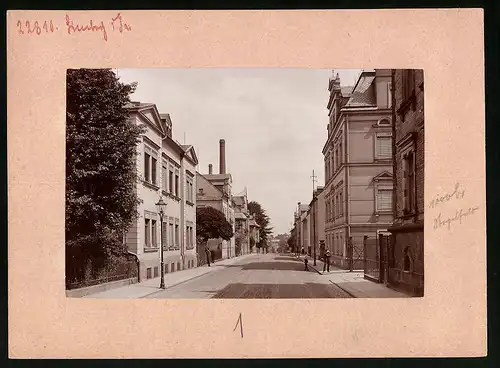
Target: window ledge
150,185
165,193
150,249
190,203
383,212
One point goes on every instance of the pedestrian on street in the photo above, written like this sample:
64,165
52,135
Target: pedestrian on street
326,265
207,251
306,261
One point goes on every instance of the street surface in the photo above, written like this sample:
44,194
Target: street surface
257,276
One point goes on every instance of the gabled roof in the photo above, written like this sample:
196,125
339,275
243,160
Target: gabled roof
149,113
363,94
239,200
190,153
384,175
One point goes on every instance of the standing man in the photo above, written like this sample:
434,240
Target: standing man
207,252
326,265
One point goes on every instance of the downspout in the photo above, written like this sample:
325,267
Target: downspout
183,204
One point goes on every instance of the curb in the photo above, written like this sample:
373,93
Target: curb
344,290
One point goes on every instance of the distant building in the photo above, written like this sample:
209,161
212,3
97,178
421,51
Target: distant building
299,217
358,165
242,224
317,211
214,190
166,169
254,232
406,260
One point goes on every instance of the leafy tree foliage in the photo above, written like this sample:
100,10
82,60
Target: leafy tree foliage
101,173
263,221
211,224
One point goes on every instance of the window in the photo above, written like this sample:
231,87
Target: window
164,178
189,183
178,266
156,271
341,203
409,182
340,154
389,95
171,235
164,234
176,235
407,260
147,159
148,273
147,233
384,200
177,184
384,147
171,181
408,83
172,268
153,170
153,233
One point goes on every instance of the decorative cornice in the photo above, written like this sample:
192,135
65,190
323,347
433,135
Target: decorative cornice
149,141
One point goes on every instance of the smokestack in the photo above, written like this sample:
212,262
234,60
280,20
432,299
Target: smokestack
222,156
210,169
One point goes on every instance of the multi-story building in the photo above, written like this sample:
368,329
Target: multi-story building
242,226
221,198
317,210
406,256
166,169
254,230
358,165
299,218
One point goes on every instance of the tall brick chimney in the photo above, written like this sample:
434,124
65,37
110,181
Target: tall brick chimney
222,156
210,169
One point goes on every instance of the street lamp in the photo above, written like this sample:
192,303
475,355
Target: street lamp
161,206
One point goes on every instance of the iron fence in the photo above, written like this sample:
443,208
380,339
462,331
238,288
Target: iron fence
122,269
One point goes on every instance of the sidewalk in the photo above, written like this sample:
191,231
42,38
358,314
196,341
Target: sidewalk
354,282
151,286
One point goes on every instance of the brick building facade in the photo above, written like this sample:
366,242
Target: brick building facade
406,254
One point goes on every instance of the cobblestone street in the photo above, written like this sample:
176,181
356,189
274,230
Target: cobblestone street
256,277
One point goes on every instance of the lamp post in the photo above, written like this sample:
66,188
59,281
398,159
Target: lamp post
161,210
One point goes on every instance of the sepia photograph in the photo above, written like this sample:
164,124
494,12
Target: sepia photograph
244,183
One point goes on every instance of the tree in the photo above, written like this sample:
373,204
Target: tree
101,173
211,224
263,221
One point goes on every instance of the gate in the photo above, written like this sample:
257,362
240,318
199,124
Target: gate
376,252
372,259
384,242
355,253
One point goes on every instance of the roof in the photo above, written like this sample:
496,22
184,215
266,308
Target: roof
138,105
346,91
239,215
239,200
363,94
217,176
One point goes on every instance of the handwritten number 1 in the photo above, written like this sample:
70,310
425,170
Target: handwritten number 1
241,325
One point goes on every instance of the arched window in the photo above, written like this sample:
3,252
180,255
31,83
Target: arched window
407,260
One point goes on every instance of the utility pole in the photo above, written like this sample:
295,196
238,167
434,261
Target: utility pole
314,218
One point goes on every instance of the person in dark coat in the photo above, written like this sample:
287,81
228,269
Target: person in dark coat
306,261
326,265
207,251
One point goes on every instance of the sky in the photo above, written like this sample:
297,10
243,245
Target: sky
273,121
